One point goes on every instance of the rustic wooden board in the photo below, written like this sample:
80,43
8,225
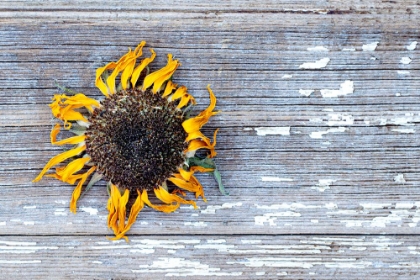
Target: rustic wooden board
318,142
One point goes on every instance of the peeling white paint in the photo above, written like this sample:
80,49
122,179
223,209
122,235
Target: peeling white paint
328,110
318,49
90,210
352,223
275,179
250,241
60,212
370,46
404,130
176,267
347,263
319,134
18,261
29,207
349,49
323,184
195,224
280,130
211,209
346,87
271,218
61,201
403,72
314,221
372,58
306,92
2,223
405,60
260,273
412,46
340,119
399,178
318,120
29,223
287,76
315,65
277,262
97,262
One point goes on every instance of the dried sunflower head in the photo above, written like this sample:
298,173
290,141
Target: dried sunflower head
138,138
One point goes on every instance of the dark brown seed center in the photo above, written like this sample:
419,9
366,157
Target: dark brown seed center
136,139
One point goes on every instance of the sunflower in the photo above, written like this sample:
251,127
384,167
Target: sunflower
139,138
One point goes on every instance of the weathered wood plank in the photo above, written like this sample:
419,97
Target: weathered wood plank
322,163
211,256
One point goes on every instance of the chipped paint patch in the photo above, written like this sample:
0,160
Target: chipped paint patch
345,88
2,223
29,223
319,134
370,46
318,49
405,60
277,262
403,72
195,224
90,210
19,262
287,76
280,130
340,119
399,178
29,207
211,209
181,267
275,179
412,46
271,218
60,212
250,241
323,184
315,65
404,130
348,49
306,92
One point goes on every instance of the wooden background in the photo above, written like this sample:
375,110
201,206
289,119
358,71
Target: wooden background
318,142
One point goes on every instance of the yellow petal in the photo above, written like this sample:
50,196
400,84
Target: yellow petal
194,124
179,92
71,168
59,158
170,86
185,99
99,82
77,190
196,144
135,210
192,185
161,75
72,140
137,71
168,198
122,210
163,208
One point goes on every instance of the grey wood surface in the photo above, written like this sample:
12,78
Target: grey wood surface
318,142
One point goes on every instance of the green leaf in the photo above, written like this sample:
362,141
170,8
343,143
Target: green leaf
63,88
218,178
203,162
95,178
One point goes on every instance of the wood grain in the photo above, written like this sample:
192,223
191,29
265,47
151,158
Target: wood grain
322,164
